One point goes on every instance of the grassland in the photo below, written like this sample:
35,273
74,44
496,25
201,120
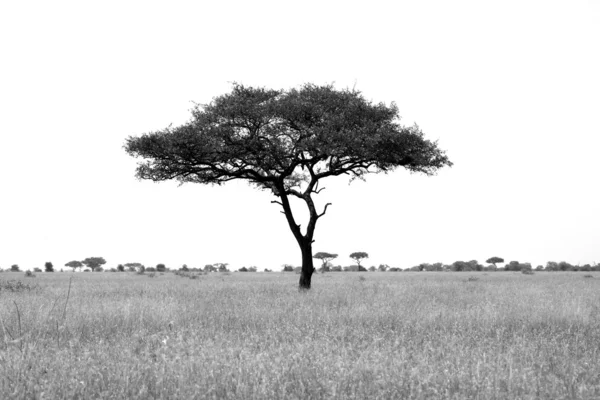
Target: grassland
254,336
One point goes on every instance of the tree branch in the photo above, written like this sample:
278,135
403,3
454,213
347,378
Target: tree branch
324,210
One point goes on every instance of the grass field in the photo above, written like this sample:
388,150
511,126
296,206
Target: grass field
254,336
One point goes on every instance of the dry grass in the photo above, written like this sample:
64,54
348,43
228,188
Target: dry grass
254,336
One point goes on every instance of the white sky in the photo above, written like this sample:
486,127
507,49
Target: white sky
510,88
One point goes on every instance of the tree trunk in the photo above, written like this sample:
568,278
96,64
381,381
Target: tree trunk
307,264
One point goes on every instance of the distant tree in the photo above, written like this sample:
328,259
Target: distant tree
252,269
539,268
36,269
565,266
325,258
586,268
372,268
134,266
513,266
288,268
358,257
475,266
337,268
494,260
184,267
243,269
552,266
460,266
98,269
209,268
221,267
120,268
49,267
74,265
161,267
287,142
383,267
268,270
94,262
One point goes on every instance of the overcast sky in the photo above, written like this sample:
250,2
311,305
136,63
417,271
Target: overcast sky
511,89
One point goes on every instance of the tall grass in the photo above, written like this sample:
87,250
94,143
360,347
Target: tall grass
389,335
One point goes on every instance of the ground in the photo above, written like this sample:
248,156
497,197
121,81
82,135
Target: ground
362,335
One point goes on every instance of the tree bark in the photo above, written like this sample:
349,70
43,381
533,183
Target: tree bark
307,264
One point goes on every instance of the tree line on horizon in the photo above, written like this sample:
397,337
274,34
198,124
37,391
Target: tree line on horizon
95,265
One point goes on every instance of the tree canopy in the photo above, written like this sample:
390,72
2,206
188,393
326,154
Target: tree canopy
94,262
325,258
286,141
358,256
74,264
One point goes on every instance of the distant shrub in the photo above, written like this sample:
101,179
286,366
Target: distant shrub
120,268
29,274
15,268
86,270
527,272
362,278
243,269
268,270
161,267
98,269
184,268
37,270
588,276
288,268
113,270
49,267
151,274
472,279
150,269
16,286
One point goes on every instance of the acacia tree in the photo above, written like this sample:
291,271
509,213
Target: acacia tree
286,141
74,265
358,256
94,262
494,260
325,258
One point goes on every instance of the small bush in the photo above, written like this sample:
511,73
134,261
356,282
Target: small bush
151,274
150,269
472,279
16,286
527,272
588,276
29,274
37,270
161,267
49,267
14,268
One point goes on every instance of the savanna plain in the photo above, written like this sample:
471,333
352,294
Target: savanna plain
367,335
